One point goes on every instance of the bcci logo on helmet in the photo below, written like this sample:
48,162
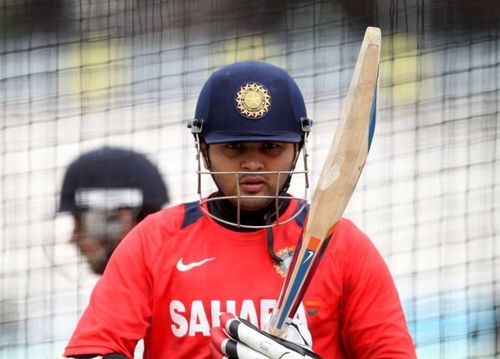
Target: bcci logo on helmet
253,100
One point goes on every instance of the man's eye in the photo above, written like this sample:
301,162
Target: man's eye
270,145
233,146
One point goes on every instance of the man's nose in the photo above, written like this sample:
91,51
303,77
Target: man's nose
252,163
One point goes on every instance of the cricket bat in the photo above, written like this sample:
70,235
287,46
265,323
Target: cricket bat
340,173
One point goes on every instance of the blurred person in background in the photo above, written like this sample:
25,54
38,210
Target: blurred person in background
108,191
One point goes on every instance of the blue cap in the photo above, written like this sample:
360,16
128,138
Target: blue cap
250,101
112,177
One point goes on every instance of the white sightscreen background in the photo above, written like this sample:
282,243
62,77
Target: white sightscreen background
129,75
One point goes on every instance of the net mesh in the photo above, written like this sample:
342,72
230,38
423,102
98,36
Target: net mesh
76,75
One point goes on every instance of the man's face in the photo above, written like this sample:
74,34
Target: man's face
251,157
96,234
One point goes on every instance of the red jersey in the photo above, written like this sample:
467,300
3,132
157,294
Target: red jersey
178,270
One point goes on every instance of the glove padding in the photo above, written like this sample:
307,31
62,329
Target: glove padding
239,339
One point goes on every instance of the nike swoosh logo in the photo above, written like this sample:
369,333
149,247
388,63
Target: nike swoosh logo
309,256
185,267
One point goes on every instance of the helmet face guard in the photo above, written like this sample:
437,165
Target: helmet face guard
276,198
251,102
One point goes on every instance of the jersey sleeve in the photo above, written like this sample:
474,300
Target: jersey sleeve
120,307
373,322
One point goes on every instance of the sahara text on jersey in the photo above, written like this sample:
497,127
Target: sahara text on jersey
193,318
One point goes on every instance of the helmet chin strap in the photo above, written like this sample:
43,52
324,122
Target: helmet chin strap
269,229
270,242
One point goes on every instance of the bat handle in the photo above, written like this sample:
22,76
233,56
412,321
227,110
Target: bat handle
272,326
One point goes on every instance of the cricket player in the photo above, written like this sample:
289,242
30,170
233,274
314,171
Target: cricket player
184,272
108,191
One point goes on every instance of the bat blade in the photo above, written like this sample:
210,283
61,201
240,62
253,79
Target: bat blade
340,173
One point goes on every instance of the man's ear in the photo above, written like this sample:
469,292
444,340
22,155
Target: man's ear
204,155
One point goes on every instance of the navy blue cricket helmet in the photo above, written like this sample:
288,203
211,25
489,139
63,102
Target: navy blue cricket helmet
250,101
112,177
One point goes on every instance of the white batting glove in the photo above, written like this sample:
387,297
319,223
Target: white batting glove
239,339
